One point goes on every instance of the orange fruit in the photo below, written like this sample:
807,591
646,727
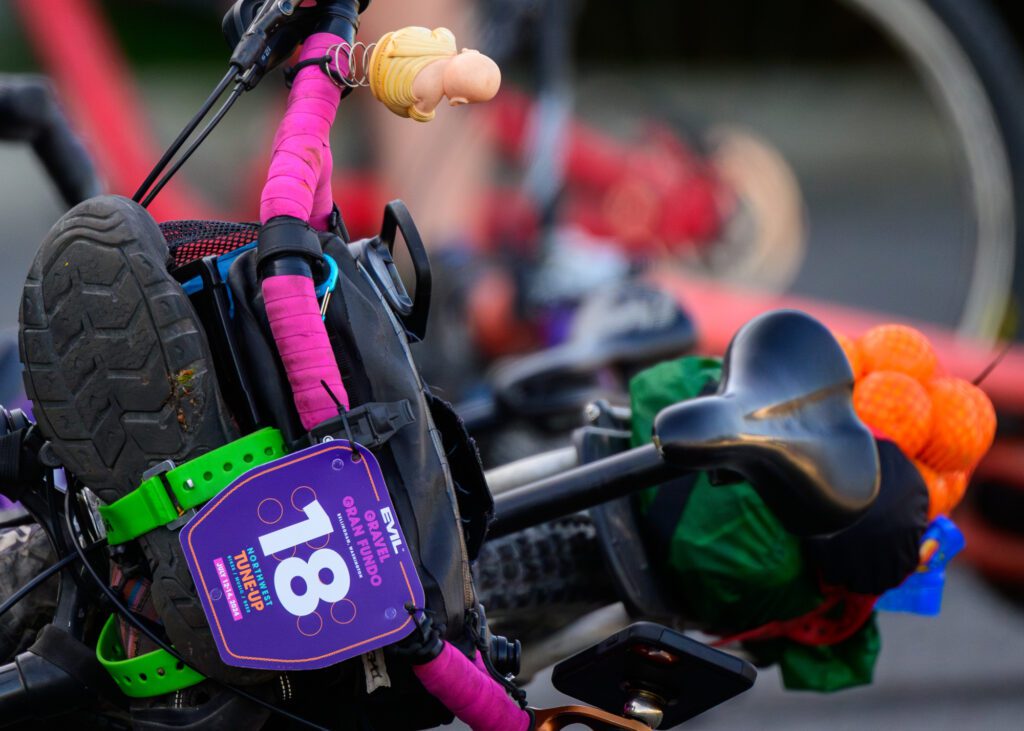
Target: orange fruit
936,490
852,351
898,348
897,406
963,425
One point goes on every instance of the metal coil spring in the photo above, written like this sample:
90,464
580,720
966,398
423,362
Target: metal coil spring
358,56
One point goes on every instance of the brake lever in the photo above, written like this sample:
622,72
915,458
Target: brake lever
261,47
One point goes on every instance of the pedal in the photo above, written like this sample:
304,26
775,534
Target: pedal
650,675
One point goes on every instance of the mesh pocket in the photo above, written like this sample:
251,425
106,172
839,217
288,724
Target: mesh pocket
188,241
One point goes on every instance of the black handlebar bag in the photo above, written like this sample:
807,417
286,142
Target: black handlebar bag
377,366
430,464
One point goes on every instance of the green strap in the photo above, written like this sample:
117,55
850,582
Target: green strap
168,495
155,673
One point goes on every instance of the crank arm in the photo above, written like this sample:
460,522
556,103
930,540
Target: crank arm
555,719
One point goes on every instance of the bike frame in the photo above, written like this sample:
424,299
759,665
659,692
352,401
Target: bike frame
544,490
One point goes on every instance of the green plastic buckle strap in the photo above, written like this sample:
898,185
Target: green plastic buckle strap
169,492
155,673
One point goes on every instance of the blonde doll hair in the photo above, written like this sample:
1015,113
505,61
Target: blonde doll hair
398,59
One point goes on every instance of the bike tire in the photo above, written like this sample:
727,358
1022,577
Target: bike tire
539,580
25,552
962,55
967,56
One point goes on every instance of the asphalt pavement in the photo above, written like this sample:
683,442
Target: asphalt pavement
961,670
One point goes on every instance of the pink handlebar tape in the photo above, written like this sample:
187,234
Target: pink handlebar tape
298,182
299,185
302,342
467,690
323,198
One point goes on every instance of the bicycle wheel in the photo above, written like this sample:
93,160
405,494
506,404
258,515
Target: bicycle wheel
965,54
535,582
25,551
874,148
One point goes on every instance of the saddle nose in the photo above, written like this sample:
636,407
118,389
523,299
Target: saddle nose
783,418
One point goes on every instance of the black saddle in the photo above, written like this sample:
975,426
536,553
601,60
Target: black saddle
783,418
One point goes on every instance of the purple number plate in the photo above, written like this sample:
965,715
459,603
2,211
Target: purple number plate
301,563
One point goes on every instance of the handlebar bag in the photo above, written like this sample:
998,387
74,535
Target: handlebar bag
442,502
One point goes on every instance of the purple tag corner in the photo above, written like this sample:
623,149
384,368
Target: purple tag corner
301,563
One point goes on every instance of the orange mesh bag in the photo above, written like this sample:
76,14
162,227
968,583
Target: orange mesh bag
945,438
897,406
898,348
963,425
953,489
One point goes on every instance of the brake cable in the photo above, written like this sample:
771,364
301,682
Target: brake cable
186,132
224,109
244,62
39,578
124,611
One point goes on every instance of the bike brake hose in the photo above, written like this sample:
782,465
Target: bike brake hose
39,578
224,109
185,133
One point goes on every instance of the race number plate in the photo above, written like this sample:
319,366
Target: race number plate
301,563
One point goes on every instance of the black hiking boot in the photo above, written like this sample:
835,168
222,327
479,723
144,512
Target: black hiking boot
121,378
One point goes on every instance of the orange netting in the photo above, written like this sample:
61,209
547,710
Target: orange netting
945,425
897,406
898,348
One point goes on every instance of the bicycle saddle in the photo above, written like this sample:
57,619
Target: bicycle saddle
783,418
628,326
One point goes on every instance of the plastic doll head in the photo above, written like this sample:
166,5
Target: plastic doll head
471,78
398,59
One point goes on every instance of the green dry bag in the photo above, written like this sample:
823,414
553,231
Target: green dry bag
729,562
